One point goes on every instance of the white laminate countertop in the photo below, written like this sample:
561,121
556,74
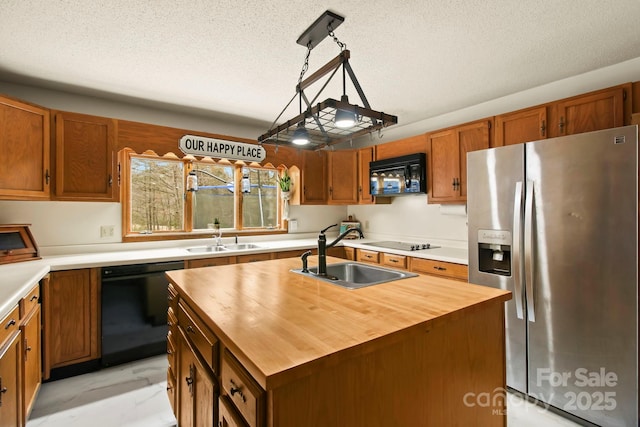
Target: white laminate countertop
17,279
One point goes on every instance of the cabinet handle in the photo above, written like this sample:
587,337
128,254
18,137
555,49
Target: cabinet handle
235,389
393,260
189,380
543,129
47,176
35,297
9,324
190,329
110,180
439,268
561,125
331,191
3,390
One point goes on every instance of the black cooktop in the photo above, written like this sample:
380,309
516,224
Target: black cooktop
403,246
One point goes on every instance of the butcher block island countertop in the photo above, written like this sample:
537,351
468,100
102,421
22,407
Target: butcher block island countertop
419,351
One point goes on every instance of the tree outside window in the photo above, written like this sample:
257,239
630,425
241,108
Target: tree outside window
238,196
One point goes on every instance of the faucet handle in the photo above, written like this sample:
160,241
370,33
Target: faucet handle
332,225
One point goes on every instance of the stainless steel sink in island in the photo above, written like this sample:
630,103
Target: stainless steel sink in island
269,347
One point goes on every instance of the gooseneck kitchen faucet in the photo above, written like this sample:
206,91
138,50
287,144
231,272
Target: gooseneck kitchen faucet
323,246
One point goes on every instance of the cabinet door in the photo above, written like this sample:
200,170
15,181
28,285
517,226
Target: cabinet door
32,372
402,147
365,156
24,144
197,399
472,137
343,177
594,111
444,165
10,395
85,158
314,178
70,327
448,164
521,126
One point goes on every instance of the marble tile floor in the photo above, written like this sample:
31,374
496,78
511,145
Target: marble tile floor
134,395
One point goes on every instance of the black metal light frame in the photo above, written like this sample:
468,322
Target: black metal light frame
319,118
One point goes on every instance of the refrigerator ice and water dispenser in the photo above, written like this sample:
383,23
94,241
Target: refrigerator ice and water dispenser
494,252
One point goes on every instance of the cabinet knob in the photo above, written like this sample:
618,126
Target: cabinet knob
561,125
190,329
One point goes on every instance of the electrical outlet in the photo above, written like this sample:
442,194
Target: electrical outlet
107,231
293,225
366,224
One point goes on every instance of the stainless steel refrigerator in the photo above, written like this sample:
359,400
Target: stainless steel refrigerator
556,222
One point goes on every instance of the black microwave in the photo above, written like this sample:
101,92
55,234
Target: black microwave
399,175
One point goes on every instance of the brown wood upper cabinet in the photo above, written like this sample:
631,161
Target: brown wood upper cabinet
25,148
598,110
521,126
447,162
85,158
343,177
314,178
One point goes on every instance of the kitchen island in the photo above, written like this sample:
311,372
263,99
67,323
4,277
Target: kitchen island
280,349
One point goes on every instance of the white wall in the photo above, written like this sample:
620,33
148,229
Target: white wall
409,218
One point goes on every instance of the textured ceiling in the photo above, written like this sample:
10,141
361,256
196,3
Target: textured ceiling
414,58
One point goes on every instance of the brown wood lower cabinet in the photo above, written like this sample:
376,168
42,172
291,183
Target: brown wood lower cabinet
10,368
71,313
31,350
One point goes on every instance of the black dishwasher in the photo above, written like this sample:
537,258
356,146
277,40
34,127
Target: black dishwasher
134,311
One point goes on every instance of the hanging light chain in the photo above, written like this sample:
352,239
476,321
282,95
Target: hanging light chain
305,66
341,45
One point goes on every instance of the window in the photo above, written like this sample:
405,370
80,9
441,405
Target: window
238,196
157,195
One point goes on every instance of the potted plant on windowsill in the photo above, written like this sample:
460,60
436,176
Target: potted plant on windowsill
285,184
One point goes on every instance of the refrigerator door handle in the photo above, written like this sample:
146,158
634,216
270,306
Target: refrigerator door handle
517,232
528,251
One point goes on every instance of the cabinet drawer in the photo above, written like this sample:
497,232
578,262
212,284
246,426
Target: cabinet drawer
367,256
9,324
201,337
30,301
392,260
171,351
227,415
440,268
172,298
172,320
245,394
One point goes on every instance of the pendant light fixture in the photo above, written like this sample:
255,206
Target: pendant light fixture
328,122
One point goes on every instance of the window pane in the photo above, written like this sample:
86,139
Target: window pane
157,195
260,205
215,196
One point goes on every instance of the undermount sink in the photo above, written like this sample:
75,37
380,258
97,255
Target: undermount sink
203,249
240,246
353,275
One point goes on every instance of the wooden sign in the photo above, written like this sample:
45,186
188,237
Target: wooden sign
219,148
